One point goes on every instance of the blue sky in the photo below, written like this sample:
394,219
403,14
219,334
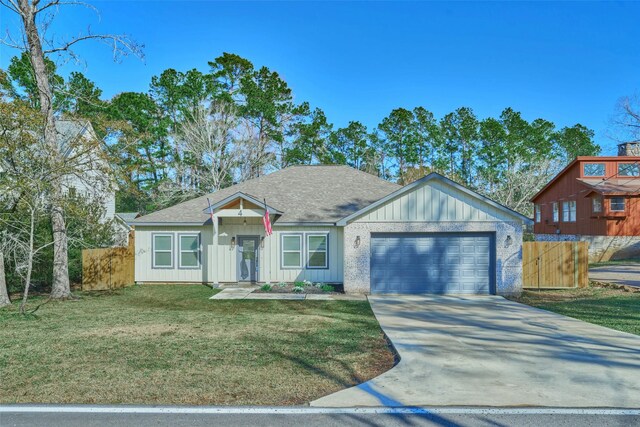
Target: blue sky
566,62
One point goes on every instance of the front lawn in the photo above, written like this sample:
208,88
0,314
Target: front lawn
170,344
613,308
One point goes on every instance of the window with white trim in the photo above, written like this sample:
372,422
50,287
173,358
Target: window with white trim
291,250
617,204
538,214
162,251
317,251
189,250
556,212
569,211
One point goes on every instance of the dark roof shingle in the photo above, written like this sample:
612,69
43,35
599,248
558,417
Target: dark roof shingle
305,194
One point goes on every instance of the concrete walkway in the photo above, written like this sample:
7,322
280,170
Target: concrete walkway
248,293
488,351
623,274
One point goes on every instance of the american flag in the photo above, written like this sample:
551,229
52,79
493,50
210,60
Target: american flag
266,220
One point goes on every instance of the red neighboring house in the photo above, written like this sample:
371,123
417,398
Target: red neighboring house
593,196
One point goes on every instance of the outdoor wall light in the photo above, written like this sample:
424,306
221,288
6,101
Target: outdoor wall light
244,222
509,240
357,242
262,242
233,242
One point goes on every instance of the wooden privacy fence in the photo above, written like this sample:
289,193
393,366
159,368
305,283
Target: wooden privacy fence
108,268
555,265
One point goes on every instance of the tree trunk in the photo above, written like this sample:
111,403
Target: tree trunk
60,286
27,279
4,295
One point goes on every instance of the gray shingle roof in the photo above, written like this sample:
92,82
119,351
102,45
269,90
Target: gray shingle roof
312,194
128,216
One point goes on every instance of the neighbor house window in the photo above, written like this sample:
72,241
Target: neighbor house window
189,251
291,250
162,250
537,212
593,169
556,213
596,204
617,204
569,211
628,169
317,251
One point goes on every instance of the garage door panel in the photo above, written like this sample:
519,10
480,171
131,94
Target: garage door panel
431,263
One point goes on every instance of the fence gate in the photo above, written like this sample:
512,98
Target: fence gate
108,268
555,265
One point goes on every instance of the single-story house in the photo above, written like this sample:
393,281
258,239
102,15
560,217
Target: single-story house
336,224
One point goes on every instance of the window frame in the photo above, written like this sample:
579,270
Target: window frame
154,250
537,212
180,251
566,210
308,254
300,236
597,199
604,169
632,164
556,212
624,204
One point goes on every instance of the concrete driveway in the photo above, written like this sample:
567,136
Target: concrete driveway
488,351
623,274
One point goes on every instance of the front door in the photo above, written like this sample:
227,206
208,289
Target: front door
248,258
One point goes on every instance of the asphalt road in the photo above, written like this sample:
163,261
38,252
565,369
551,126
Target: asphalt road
418,417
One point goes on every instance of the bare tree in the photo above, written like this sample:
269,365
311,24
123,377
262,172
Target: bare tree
626,119
4,295
521,182
209,136
36,17
29,178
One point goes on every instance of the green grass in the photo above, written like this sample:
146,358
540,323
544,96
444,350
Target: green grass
615,262
613,308
171,344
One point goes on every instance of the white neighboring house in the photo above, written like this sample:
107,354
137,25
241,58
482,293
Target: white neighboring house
123,226
93,182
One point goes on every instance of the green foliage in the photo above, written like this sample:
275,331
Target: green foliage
327,288
299,284
298,289
266,287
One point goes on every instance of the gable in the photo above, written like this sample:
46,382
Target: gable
435,200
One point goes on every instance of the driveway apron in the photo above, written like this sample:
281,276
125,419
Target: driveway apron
488,351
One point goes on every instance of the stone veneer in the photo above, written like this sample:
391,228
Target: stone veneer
601,248
508,263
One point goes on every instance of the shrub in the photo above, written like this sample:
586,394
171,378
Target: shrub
299,284
282,285
319,285
307,283
327,288
266,287
298,289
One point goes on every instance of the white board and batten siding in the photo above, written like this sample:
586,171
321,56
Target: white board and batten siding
144,271
219,258
434,201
